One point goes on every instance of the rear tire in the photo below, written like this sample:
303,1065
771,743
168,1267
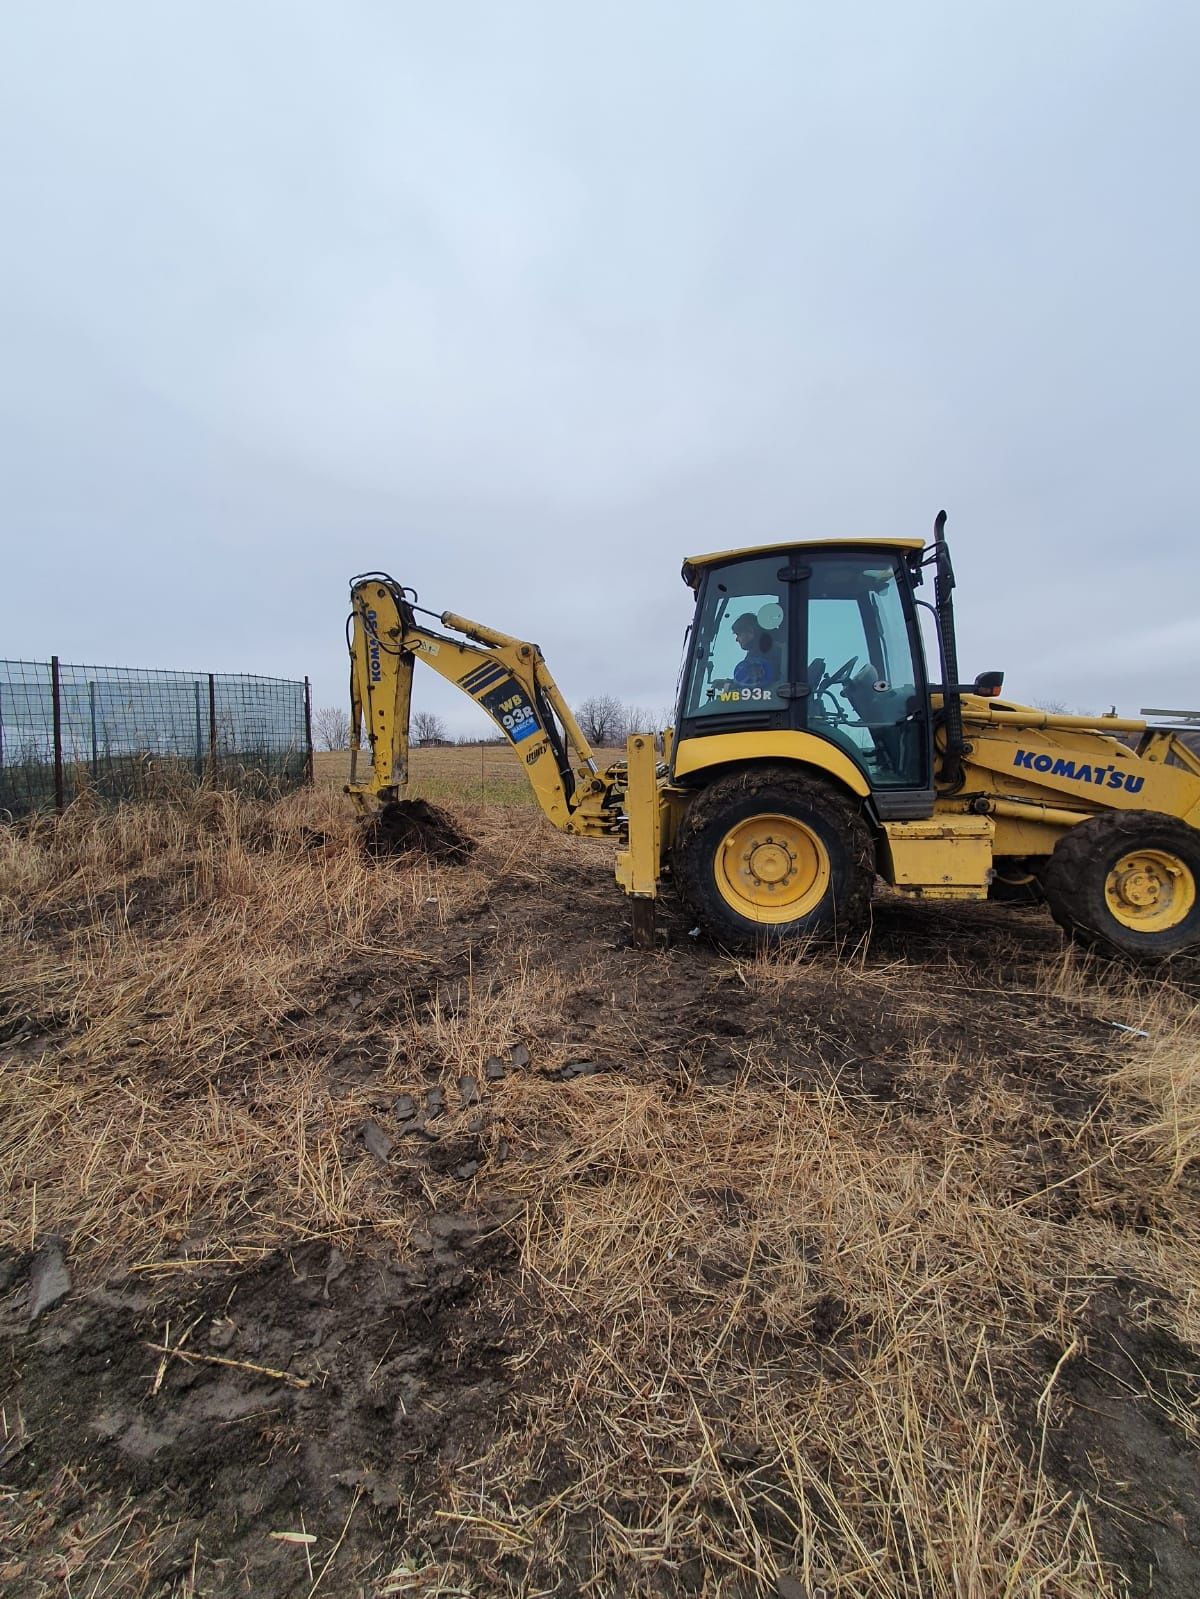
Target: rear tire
771,853
1128,881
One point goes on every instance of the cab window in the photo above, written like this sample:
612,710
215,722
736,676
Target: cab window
741,651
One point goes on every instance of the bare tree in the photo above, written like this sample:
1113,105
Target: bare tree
602,721
607,723
332,726
428,728
640,720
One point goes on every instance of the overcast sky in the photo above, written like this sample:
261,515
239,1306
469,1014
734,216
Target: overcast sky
524,303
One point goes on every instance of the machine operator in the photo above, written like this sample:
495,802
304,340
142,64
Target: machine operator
762,664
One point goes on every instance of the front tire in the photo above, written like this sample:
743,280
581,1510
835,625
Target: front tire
771,853
1128,881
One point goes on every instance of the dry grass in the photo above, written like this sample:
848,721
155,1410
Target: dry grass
884,1457
764,1323
190,953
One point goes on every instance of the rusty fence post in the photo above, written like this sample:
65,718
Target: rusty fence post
56,694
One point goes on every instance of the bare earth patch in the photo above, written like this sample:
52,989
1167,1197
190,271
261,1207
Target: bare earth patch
388,1226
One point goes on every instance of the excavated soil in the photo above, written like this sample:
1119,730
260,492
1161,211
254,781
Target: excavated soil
1130,1386
331,1390
415,827
395,1372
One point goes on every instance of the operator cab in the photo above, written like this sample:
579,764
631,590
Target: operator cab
820,639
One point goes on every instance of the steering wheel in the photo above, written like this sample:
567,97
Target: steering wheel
842,675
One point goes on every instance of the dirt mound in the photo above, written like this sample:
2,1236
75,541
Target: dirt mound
415,827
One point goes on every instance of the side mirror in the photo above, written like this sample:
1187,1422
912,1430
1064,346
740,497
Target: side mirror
988,684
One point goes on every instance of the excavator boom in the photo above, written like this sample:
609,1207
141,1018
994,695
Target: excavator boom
506,677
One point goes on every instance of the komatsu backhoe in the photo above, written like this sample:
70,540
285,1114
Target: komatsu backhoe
812,753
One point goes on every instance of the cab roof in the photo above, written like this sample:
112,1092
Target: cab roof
695,564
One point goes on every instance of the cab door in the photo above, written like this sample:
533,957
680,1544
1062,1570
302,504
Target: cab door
865,673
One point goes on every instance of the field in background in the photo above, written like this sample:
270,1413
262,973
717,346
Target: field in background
425,1239
471,774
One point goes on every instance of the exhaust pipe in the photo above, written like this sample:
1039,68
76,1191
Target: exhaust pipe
951,774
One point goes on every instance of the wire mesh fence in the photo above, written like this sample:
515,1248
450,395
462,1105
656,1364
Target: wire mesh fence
129,732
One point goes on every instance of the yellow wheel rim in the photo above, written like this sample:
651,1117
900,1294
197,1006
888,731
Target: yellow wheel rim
771,869
1150,890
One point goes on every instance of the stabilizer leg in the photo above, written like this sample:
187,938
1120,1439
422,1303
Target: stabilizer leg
643,923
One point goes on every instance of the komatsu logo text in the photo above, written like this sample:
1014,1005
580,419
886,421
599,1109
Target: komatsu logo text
1079,772
373,648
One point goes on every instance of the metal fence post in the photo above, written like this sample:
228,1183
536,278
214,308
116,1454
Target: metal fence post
308,749
212,723
55,690
95,748
199,732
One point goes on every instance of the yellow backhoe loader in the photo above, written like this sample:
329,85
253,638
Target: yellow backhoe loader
812,754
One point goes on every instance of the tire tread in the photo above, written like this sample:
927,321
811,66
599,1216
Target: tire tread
1074,879
843,815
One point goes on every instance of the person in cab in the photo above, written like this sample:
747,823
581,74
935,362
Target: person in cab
762,665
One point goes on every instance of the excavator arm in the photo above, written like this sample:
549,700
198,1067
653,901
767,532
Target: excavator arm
505,676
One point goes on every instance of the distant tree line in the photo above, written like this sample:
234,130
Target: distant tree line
331,728
604,720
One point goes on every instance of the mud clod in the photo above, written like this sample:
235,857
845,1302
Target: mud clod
494,1069
579,1068
376,1142
446,1234
334,1269
415,827
791,1588
448,1224
49,1279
